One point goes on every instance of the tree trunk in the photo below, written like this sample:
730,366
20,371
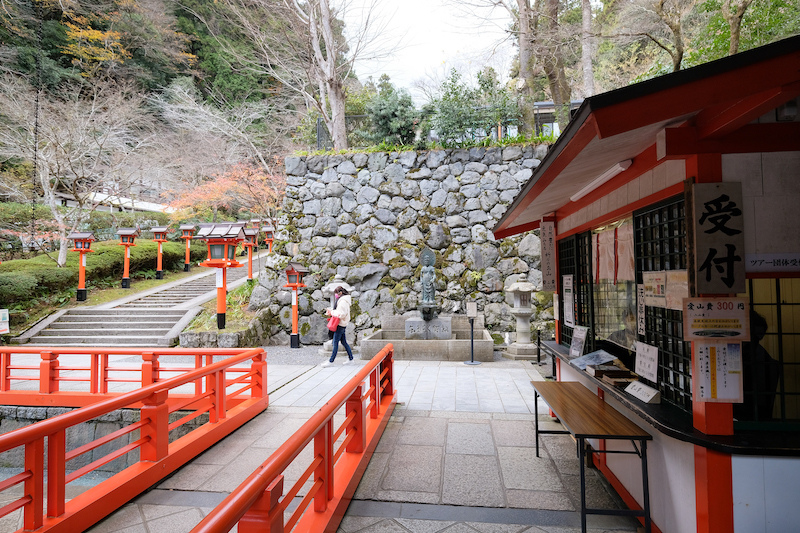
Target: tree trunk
734,19
587,49
554,65
338,126
525,41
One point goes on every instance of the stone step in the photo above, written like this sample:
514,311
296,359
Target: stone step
91,332
115,312
103,325
114,340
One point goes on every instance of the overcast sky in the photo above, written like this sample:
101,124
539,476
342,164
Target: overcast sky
433,38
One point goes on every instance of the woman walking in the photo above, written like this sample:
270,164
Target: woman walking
341,309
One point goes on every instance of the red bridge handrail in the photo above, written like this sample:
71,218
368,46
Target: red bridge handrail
158,457
262,483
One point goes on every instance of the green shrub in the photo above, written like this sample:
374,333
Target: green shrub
16,287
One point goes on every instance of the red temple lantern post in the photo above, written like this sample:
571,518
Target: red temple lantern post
251,241
222,240
160,236
294,277
127,237
83,245
187,233
269,236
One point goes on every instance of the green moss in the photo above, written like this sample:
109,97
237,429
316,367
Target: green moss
497,338
305,327
355,309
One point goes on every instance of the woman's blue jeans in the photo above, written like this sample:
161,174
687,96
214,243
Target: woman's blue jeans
338,335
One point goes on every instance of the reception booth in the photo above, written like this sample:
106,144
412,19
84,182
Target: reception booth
667,213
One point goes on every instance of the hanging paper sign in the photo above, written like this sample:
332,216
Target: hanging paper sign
647,361
655,288
707,318
640,310
569,302
717,372
718,234
547,237
677,288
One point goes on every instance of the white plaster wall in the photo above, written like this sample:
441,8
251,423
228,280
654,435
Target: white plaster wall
664,175
771,191
670,465
766,494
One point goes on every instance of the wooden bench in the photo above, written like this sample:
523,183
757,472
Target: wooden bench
584,415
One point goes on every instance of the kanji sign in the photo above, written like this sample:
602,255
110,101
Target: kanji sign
711,317
547,237
718,229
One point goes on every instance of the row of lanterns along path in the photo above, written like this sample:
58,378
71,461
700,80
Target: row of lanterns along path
221,240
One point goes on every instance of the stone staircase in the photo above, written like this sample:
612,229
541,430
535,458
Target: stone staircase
152,318
111,327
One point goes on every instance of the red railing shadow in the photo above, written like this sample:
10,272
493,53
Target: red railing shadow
259,503
227,410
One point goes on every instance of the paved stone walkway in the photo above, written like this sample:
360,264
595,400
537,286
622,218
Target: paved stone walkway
457,456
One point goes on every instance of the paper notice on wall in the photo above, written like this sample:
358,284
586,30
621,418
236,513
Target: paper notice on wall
717,372
640,310
569,302
547,237
677,288
647,361
655,288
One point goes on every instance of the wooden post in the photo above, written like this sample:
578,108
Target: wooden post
265,516
156,410
359,423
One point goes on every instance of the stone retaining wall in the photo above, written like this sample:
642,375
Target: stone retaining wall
366,217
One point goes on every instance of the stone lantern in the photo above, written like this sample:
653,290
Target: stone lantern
522,347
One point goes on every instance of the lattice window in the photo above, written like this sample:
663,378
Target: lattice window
660,244
575,259
772,381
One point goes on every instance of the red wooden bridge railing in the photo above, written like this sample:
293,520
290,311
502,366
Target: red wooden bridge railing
259,503
229,404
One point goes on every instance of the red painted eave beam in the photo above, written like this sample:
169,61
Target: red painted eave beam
691,97
726,118
776,137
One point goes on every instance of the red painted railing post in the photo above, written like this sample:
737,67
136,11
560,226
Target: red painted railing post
34,486
323,448
259,369
48,373
156,410
388,365
5,376
375,395
215,383
355,404
265,516
56,472
149,368
103,371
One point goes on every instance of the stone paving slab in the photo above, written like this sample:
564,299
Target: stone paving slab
456,456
